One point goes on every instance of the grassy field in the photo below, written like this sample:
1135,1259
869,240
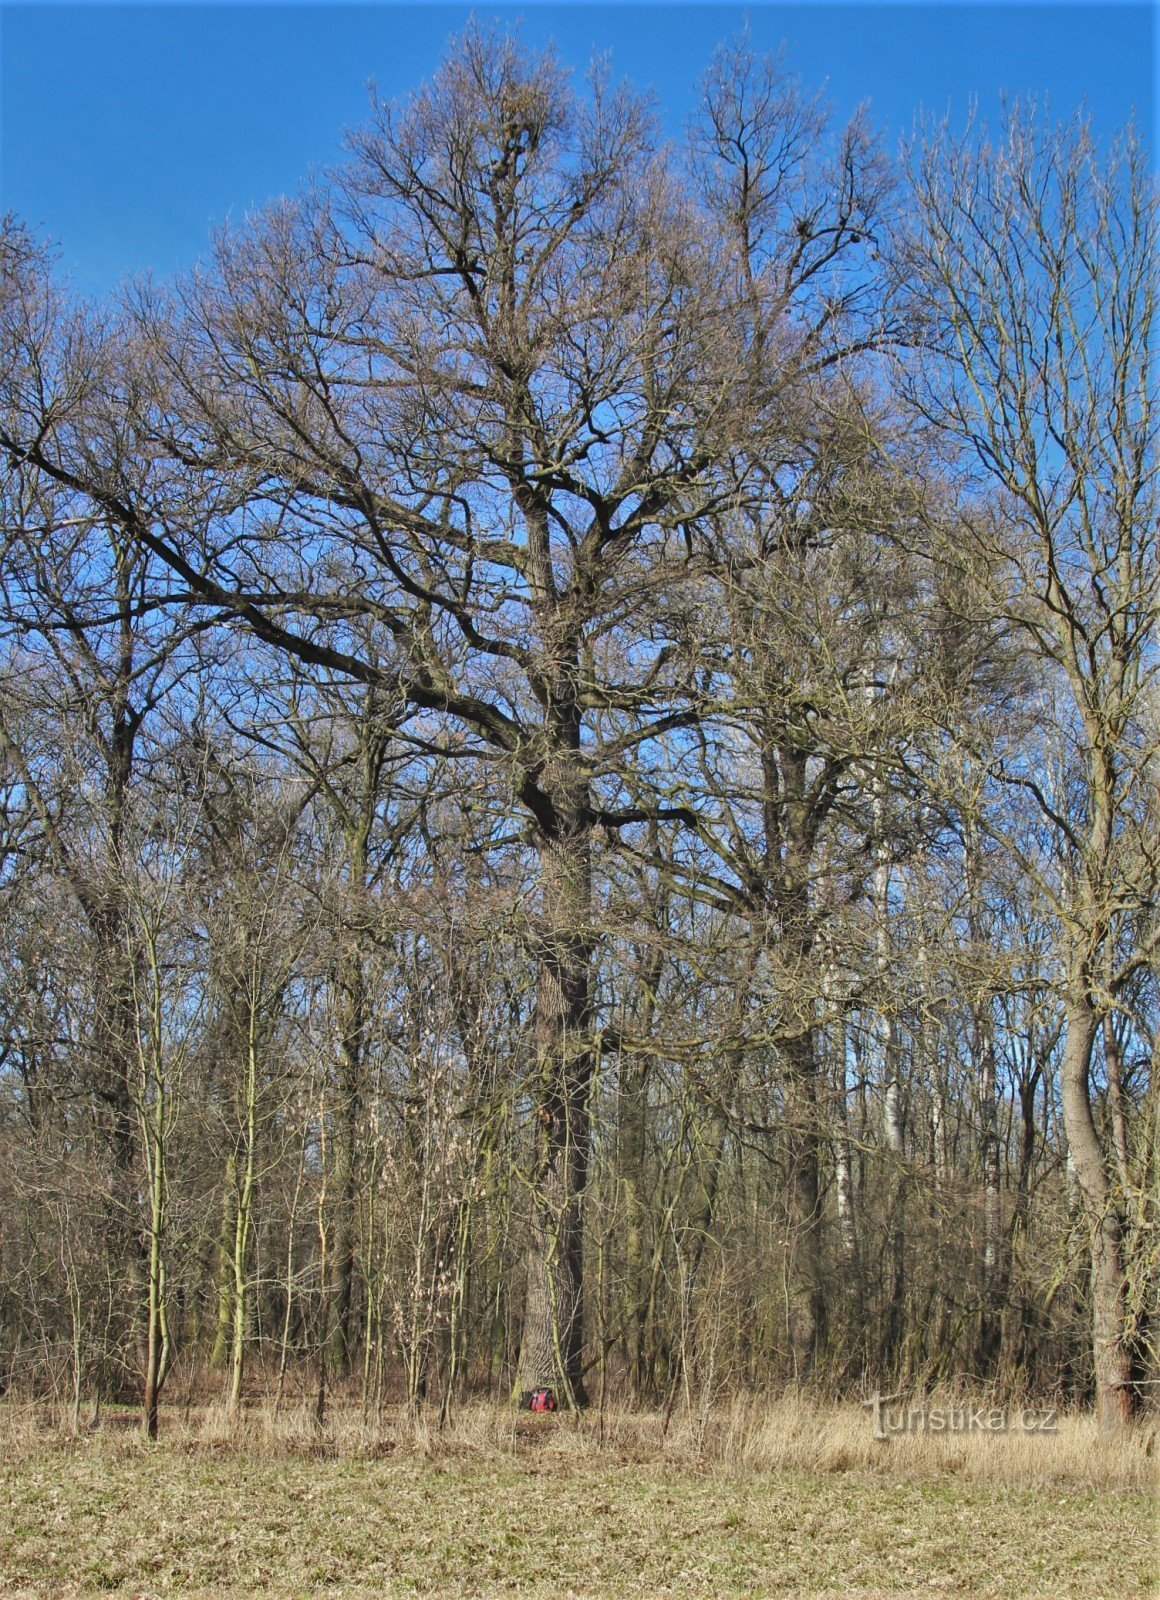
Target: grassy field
793,1502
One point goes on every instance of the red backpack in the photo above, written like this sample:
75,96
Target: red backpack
538,1400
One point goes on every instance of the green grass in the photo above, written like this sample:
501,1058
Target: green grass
110,1515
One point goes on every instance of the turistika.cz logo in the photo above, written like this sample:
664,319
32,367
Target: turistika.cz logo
891,1418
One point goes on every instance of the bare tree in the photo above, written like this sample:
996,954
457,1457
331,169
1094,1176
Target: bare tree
79,605
476,386
1033,271
527,773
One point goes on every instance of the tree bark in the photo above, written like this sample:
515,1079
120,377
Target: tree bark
1112,1355
807,1311
790,827
553,1327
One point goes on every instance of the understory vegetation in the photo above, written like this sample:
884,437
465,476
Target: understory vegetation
579,738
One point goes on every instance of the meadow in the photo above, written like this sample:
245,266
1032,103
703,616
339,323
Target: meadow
785,1499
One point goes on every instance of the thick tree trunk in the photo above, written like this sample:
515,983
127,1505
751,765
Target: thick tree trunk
551,1345
1114,1057
790,829
1112,1355
806,1311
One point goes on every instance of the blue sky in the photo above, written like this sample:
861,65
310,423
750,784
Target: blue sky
126,131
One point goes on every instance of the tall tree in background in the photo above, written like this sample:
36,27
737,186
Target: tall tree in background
1033,269
802,589
82,606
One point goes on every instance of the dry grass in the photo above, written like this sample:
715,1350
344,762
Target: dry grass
783,1433
785,1499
